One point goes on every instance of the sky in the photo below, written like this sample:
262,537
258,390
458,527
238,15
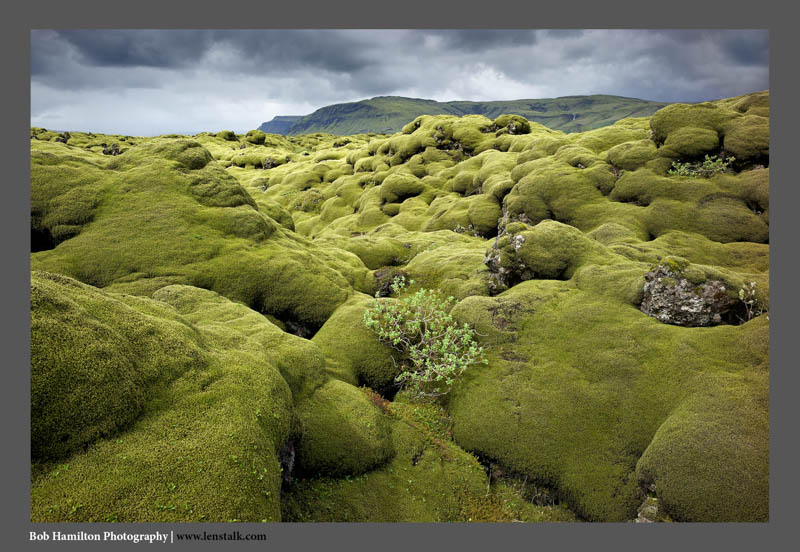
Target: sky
151,82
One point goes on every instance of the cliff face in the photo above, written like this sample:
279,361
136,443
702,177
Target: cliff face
280,124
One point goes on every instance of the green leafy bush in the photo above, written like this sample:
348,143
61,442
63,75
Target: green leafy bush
435,348
710,166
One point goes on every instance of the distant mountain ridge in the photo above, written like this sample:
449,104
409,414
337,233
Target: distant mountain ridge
388,114
280,124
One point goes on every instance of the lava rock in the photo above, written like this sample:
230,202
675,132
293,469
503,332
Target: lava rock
672,299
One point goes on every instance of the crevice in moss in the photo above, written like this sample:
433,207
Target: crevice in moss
537,492
386,392
41,240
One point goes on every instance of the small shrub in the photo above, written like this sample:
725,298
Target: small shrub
436,349
710,166
753,307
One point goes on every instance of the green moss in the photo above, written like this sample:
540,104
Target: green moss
456,270
353,354
631,155
512,124
94,360
483,213
341,432
255,137
429,479
676,116
723,219
560,405
374,252
276,212
604,138
211,414
574,408
554,250
690,142
709,459
188,236
397,187
300,362
227,135
747,138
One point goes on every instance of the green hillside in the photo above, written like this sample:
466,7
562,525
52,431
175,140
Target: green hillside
388,114
199,351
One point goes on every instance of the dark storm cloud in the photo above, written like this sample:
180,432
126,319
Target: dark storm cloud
471,40
138,48
748,48
190,80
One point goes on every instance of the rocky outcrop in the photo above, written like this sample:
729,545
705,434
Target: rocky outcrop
671,298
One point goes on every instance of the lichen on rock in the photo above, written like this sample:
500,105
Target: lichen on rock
671,298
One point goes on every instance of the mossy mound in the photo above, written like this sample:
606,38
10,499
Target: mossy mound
709,460
690,142
631,155
674,117
428,479
575,409
94,360
227,135
200,441
341,432
747,138
255,137
351,351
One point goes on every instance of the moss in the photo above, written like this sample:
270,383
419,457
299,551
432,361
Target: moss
576,156
604,138
428,479
483,213
198,242
341,432
216,188
568,407
722,219
457,270
353,353
709,460
397,187
227,135
551,250
631,155
676,116
94,360
690,142
169,464
300,362
512,124
574,408
276,212
747,139
255,137
185,153
374,252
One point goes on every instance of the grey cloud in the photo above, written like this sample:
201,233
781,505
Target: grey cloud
138,48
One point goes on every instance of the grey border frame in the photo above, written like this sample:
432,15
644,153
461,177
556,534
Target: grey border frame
776,16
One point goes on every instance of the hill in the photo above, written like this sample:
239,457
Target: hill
280,124
199,350
388,114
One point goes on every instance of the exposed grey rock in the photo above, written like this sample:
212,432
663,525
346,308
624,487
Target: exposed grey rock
672,299
648,511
